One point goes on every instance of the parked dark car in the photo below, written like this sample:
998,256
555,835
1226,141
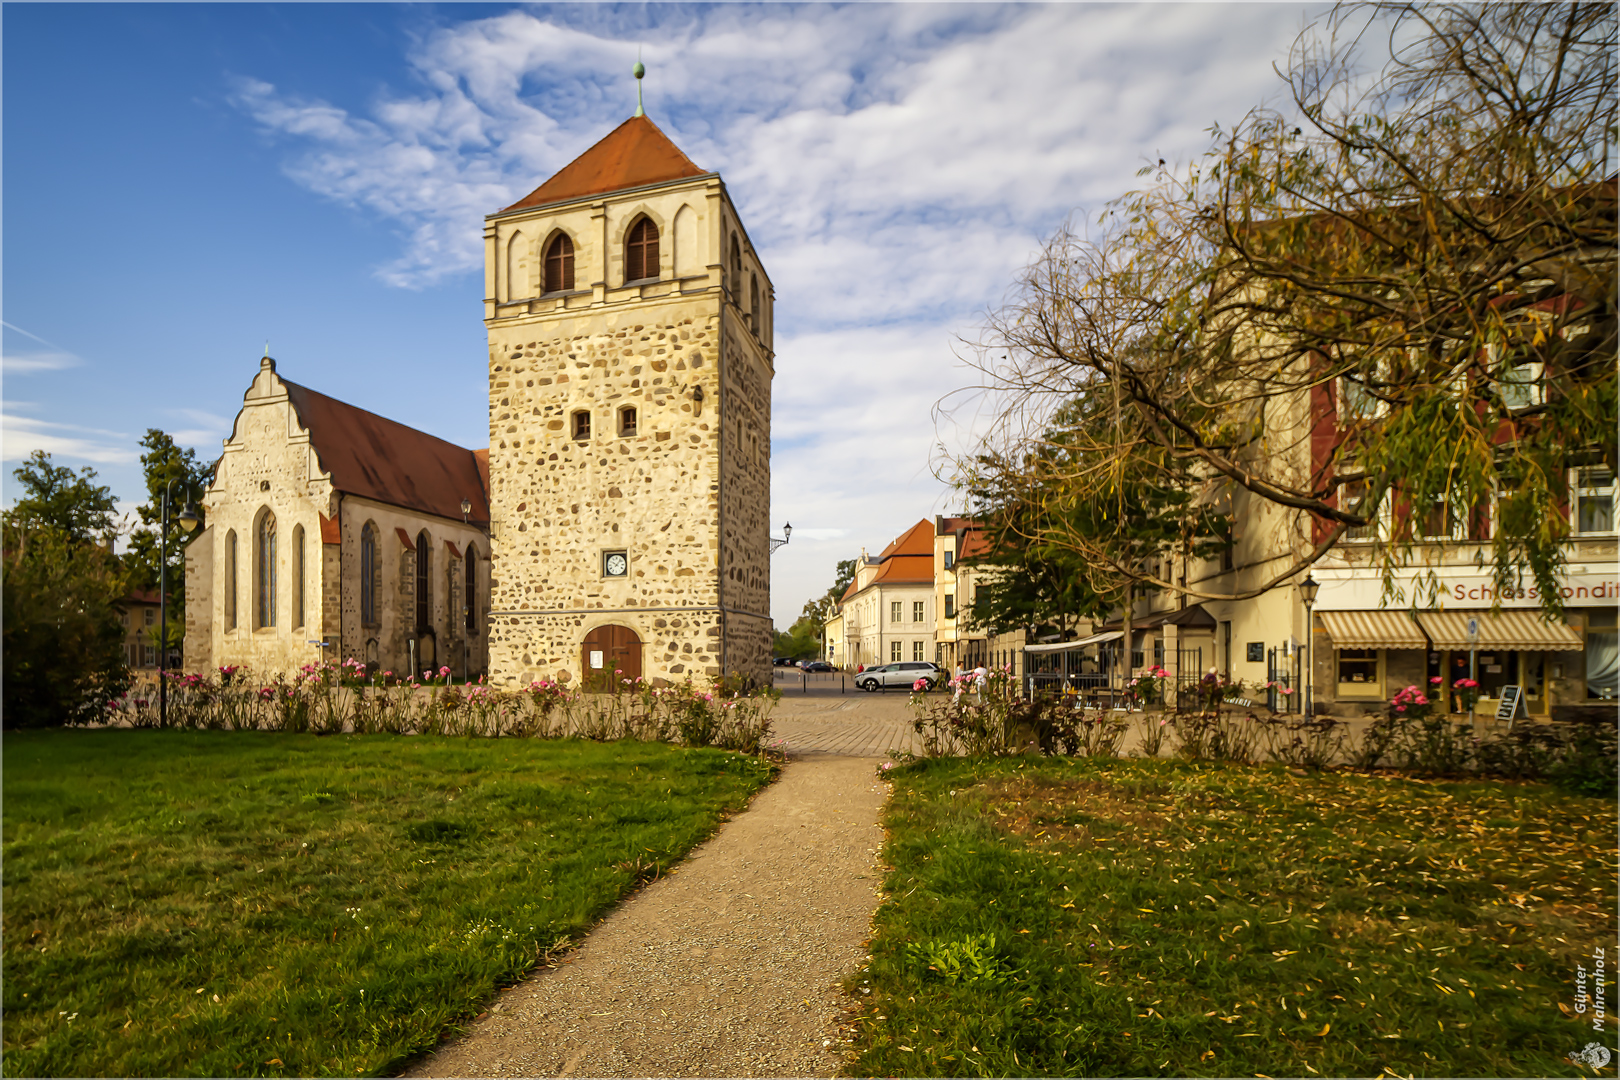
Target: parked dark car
903,674
783,661
819,665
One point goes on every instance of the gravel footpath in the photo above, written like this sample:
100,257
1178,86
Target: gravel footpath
731,965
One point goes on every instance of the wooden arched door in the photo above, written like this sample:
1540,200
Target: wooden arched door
609,652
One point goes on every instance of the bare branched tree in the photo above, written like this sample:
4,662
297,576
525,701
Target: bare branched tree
1389,309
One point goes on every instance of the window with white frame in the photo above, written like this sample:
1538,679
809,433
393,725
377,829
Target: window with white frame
894,611
916,611
1593,500
917,650
1356,401
1521,385
950,606
894,651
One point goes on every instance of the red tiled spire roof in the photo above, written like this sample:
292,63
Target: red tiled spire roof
634,154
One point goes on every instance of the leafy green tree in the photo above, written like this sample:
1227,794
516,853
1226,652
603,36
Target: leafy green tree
63,634
820,609
163,462
1392,298
802,640
56,498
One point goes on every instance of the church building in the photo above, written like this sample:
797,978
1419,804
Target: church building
617,526
336,533
630,369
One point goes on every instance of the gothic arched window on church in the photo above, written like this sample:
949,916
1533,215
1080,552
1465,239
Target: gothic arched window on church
264,571
736,257
230,580
471,589
560,264
423,548
368,572
641,252
298,575
517,267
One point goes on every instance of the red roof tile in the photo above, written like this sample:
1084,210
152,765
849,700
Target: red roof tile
634,154
377,458
904,569
974,543
917,540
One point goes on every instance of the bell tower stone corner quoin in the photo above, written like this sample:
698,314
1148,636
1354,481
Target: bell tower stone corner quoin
629,423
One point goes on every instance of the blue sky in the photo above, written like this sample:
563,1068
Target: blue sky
183,182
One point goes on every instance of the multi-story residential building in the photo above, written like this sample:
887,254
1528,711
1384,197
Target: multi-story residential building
1363,644
958,642
139,614
888,613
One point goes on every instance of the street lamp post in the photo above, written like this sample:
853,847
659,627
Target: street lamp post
787,534
1307,592
188,521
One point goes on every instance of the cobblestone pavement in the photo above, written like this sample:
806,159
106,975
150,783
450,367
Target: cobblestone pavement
860,724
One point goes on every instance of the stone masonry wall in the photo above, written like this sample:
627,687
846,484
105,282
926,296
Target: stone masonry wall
560,504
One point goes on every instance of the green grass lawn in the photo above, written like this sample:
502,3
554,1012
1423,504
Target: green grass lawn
212,903
1129,918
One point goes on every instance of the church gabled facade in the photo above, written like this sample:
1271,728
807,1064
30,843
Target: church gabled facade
336,533
630,368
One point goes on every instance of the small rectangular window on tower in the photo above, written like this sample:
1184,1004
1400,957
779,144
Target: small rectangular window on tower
582,424
627,421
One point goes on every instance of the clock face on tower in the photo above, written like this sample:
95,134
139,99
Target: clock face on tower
614,564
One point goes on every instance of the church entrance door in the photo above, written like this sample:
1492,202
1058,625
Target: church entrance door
609,652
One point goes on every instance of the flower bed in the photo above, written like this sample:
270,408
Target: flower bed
334,697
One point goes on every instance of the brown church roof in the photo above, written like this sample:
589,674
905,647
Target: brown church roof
377,458
634,154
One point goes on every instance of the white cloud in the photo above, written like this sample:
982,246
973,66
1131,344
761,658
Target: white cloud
897,165
19,359
29,362
20,436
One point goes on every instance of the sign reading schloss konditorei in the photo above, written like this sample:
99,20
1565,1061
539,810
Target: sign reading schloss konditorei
1454,588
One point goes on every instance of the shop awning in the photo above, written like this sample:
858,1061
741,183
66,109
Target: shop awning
1503,630
1070,646
1373,630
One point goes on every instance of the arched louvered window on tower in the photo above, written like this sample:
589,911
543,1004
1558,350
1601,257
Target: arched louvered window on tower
753,303
736,257
560,264
641,252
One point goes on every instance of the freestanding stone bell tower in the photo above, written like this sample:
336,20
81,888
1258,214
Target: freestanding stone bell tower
630,369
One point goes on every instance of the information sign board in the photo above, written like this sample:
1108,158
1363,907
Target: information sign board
1512,703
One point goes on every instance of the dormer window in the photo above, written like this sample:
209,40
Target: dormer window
582,424
641,252
560,265
627,421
